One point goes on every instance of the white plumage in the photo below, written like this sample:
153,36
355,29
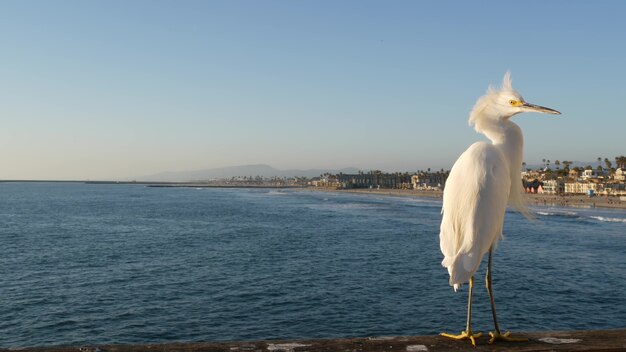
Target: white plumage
485,178
474,202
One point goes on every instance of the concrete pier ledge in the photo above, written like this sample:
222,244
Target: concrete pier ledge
592,340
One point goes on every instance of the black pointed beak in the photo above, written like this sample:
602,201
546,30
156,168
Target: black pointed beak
537,108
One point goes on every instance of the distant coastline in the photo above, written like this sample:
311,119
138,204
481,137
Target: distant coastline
203,185
548,200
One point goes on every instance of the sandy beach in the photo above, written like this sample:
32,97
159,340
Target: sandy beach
548,200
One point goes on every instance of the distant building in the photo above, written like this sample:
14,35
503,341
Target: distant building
620,175
375,179
615,189
583,187
553,186
428,181
326,181
531,175
589,174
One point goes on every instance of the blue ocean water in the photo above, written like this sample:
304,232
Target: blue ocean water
109,264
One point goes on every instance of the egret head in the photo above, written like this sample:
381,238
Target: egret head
502,104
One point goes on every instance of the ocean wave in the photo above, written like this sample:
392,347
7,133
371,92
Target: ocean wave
342,206
567,214
605,219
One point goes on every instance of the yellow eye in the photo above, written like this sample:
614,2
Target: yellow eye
515,102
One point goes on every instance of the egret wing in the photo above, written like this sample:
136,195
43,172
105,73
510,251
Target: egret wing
474,202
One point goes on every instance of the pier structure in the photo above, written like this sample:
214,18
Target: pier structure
579,341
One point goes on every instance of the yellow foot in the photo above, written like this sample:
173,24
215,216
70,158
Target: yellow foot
496,336
463,336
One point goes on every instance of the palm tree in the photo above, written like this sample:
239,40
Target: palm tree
608,163
548,174
566,165
620,161
557,164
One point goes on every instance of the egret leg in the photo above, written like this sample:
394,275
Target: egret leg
467,334
496,335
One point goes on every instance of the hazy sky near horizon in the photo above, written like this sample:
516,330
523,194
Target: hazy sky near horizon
122,89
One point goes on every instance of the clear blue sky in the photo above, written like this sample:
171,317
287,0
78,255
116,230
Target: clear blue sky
120,89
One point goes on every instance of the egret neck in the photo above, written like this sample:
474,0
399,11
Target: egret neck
507,137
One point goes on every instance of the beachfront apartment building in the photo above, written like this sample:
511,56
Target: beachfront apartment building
583,187
328,181
375,179
553,187
614,189
428,181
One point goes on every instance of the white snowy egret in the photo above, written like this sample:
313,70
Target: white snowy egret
484,179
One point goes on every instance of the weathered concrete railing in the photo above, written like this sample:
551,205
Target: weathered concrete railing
595,340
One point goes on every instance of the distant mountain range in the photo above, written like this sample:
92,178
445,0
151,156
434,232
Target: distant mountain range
268,171
242,170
